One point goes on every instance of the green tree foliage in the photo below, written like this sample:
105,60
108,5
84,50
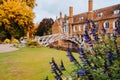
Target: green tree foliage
45,27
2,33
16,16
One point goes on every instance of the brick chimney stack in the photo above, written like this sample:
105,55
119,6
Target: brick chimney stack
90,9
70,19
70,11
90,5
60,15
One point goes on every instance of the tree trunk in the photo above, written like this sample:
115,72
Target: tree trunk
28,34
12,37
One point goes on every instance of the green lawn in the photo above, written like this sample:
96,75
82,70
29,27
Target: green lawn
30,63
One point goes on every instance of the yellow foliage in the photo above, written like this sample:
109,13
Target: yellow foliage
17,10
7,41
118,40
92,64
107,38
15,41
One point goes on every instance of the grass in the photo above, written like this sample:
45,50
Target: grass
30,63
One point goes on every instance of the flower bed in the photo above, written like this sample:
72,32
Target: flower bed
99,56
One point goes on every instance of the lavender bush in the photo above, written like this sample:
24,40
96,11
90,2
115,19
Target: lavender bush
99,56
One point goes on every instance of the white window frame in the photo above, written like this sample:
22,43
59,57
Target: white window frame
81,18
97,26
114,24
67,29
117,11
106,25
100,14
74,28
80,28
85,25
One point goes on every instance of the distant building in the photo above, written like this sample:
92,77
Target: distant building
75,24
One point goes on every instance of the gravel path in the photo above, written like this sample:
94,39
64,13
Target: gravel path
7,48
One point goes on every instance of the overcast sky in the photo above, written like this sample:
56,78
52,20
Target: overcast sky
52,8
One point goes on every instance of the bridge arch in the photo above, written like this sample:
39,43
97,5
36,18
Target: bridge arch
49,39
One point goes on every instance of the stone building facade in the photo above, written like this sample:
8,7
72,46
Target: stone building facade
75,24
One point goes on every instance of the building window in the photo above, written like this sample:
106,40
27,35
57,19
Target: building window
81,18
80,28
116,11
106,25
67,21
96,26
100,14
115,24
74,28
65,29
85,27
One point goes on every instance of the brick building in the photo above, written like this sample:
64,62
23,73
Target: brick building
75,24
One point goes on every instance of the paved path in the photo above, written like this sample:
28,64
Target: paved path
7,48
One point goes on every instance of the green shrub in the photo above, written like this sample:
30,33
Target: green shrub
33,44
15,41
7,41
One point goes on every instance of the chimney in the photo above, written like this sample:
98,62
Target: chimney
60,15
90,5
70,11
70,20
90,9
70,14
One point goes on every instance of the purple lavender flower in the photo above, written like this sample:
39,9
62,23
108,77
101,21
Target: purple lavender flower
110,57
117,30
80,50
106,53
82,58
96,39
88,21
103,31
82,73
62,68
93,31
86,37
71,57
57,77
54,67
90,43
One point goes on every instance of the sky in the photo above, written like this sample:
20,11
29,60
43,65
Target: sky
52,8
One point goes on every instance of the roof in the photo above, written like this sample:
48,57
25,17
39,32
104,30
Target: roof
107,13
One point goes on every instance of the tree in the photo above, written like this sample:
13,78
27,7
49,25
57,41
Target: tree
2,33
45,27
16,16
30,3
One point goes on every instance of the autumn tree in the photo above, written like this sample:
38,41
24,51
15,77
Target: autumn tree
45,27
16,17
30,3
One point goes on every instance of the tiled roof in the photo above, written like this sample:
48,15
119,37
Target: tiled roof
107,12
83,16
